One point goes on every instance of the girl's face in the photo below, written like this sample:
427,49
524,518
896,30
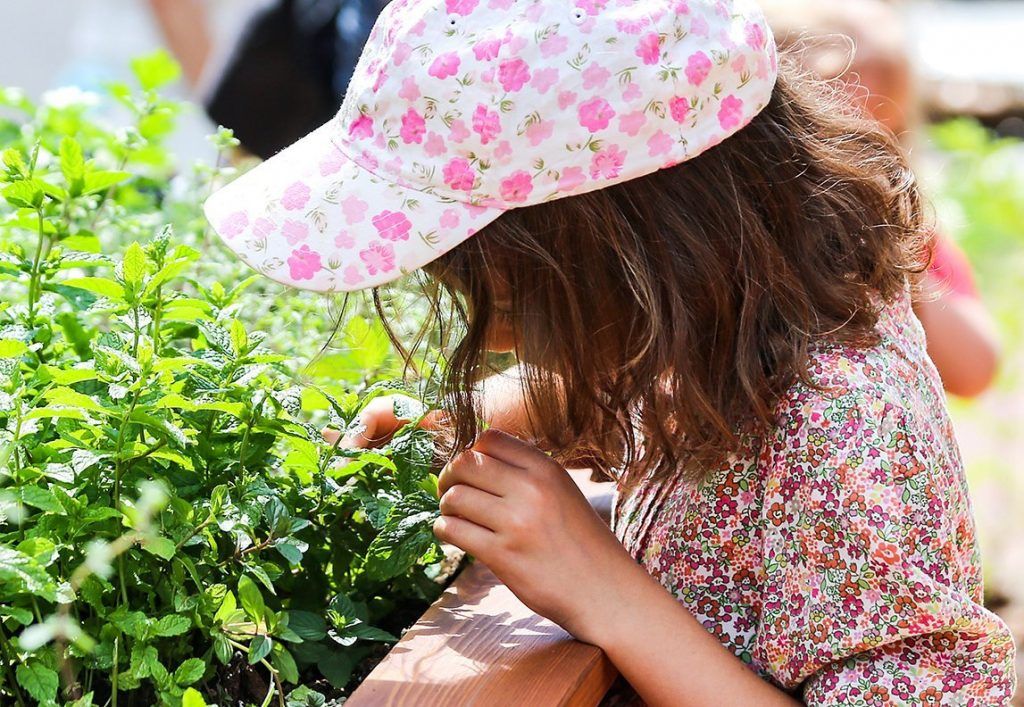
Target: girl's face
501,337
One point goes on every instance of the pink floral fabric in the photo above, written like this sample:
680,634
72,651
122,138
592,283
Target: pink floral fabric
837,556
459,110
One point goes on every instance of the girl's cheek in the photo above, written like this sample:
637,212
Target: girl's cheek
501,336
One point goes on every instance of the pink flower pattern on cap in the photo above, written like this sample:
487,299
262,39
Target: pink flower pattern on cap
460,110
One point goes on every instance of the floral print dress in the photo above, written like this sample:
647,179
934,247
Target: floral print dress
837,555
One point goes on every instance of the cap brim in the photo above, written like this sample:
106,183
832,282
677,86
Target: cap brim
311,217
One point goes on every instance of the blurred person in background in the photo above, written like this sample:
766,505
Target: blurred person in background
862,44
186,30
285,73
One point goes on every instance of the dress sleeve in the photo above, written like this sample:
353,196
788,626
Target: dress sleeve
872,583
951,268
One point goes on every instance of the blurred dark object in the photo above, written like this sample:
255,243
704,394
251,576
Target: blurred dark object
968,58
288,72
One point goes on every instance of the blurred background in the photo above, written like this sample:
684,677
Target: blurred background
946,75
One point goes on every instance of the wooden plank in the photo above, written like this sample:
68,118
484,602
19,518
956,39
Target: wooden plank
479,645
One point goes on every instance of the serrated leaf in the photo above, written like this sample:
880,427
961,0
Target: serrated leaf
98,285
40,498
361,630
133,268
171,625
38,680
165,274
133,623
74,399
20,615
155,69
21,573
72,164
189,671
309,626
192,698
252,600
259,647
337,668
159,546
290,552
50,412
222,649
95,182
239,337
26,194
408,409
407,536
70,376
156,669
285,664
83,701
12,348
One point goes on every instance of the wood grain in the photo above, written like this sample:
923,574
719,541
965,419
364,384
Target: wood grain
479,645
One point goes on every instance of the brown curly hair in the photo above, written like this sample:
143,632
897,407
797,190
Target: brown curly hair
662,316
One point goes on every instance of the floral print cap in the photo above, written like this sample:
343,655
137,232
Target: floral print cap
460,110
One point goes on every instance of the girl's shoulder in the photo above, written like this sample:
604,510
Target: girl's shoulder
870,401
896,371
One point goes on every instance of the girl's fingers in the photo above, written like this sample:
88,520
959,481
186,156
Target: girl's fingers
434,420
464,534
509,449
364,436
475,469
356,439
471,504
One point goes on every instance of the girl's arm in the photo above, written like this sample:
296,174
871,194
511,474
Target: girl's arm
185,28
504,407
668,657
962,342
517,511
962,338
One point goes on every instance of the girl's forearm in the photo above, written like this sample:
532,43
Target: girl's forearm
666,655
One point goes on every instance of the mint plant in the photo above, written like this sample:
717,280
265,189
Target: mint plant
173,527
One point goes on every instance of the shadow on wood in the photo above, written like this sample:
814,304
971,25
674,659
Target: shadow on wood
479,645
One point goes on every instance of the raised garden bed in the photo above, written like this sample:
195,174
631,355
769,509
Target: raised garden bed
479,645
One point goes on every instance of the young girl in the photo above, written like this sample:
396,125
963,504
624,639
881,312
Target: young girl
704,271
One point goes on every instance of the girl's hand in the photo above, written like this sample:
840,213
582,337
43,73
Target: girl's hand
516,510
520,513
377,423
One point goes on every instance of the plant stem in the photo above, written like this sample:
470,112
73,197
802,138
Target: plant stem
8,662
195,531
118,470
158,310
253,416
113,680
17,470
35,609
155,448
122,431
33,283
